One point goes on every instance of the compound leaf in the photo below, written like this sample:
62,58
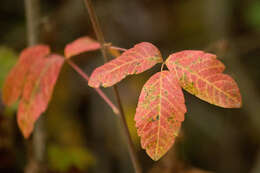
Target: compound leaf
83,44
200,74
136,60
37,91
159,113
15,80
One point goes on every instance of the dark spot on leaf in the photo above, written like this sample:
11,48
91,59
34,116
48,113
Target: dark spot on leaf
154,58
170,119
151,119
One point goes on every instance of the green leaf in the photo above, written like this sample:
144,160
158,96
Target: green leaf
64,158
8,58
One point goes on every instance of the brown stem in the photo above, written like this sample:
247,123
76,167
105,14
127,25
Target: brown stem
162,66
98,90
97,28
36,147
130,143
32,12
100,37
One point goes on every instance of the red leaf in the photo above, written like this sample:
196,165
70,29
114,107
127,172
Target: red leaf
83,44
38,91
136,60
15,80
159,113
200,74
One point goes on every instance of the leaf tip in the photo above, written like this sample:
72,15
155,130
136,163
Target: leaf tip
6,98
238,105
67,55
155,157
93,84
25,127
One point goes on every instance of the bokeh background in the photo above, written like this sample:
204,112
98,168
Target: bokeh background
83,134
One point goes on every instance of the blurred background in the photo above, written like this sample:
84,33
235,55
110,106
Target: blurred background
83,134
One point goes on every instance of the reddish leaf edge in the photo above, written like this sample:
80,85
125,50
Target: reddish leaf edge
87,44
157,157
81,45
115,51
186,87
156,117
16,78
27,113
165,61
29,57
141,57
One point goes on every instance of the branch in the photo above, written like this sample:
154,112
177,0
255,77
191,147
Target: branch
100,37
118,48
98,90
36,147
32,12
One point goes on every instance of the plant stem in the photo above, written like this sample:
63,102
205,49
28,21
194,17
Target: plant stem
32,12
98,90
36,147
130,143
96,27
100,37
118,48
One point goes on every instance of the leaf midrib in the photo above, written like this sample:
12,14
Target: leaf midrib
36,86
159,121
118,67
209,83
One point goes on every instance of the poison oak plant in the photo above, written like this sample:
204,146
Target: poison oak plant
161,106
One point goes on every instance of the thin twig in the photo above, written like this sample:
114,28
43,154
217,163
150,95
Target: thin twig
98,90
100,37
97,28
118,48
35,156
32,12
